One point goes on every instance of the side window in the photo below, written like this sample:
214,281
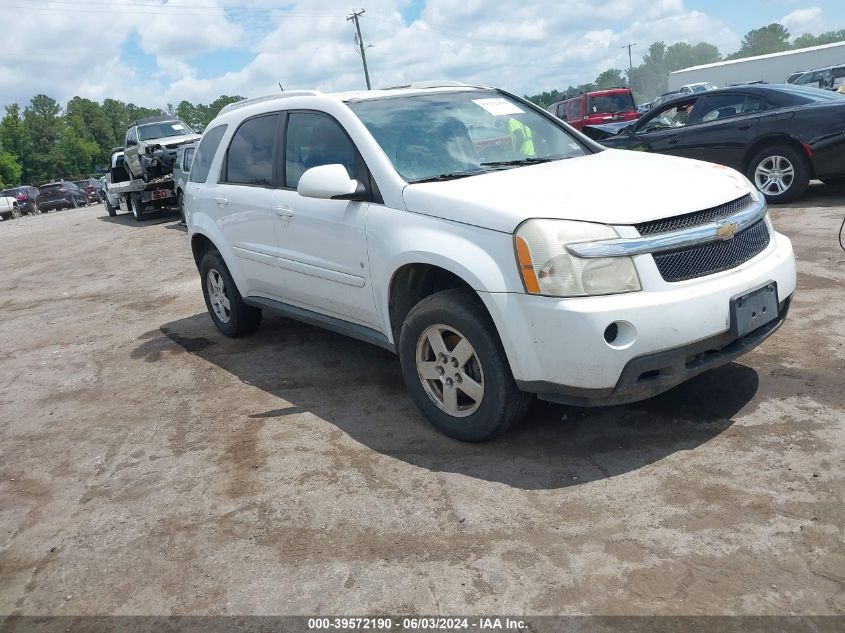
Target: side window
315,139
577,109
249,159
131,138
189,158
205,153
722,106
672,117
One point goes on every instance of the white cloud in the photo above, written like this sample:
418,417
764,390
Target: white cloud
528,47
803,21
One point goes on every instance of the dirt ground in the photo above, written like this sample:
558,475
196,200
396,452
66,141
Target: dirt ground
148,465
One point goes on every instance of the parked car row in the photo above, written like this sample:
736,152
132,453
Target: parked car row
779,136
29,200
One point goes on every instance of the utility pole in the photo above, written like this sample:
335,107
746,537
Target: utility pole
354,17
630,63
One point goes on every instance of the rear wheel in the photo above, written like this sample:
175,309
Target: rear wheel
780,173
16,212
180,202
35,210
456,369
111,210
138,206
228,311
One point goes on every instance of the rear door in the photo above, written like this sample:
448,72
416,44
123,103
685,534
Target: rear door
723,127
243,199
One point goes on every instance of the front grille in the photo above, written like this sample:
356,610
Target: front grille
696,218
713,257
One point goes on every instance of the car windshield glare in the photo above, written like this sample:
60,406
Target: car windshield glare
163,130
457,134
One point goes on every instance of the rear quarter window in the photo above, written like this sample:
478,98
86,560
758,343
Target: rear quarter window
206,152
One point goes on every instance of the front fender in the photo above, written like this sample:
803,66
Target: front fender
483,258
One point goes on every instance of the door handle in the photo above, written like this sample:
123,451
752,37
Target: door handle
673,140
744,127
283,211
221,201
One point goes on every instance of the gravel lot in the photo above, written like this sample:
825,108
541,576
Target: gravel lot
150,466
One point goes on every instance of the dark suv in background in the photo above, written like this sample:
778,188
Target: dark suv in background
27,198
92,188
61,195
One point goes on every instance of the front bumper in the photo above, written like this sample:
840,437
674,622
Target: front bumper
670,331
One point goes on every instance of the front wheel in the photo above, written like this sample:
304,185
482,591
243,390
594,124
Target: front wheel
456,369
180,202
228,311
16,212
110,209
780,173
35,210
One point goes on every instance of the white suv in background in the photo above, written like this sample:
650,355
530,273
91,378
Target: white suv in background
541,263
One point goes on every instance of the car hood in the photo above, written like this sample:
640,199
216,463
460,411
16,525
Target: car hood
174,141
605,130
611,187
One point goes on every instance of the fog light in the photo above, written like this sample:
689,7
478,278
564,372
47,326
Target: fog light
611,332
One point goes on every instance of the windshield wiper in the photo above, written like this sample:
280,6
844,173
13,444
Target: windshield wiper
452,175
529,160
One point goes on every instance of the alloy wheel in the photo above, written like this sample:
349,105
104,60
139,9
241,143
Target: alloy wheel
450,370
774,175
217,296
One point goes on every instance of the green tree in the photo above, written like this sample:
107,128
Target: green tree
610,78
772,38
44,126
13,137
10,170
807,39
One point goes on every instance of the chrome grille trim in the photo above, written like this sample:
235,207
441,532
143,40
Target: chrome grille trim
673,240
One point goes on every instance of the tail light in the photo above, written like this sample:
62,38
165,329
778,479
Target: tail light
21,197
62,188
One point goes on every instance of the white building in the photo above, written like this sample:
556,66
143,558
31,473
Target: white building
772,68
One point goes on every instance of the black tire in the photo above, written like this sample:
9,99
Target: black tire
138,206
35,209
243,319
16,212
800,170
110,209
73,203
180,203
502,404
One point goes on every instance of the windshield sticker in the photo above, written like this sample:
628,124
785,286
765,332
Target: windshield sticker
498,107
177,126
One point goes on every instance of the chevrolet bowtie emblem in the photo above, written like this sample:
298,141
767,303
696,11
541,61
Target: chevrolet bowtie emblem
726,231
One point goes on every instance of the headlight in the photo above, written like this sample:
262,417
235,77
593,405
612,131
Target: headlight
547,268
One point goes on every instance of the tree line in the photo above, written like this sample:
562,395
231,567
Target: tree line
650,78
45,142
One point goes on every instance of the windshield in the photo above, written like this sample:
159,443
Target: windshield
463,133
163,130
610,103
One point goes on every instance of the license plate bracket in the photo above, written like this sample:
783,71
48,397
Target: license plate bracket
754,309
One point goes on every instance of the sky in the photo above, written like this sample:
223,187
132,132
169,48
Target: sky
155,52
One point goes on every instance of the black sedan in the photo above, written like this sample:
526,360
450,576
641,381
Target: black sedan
780,136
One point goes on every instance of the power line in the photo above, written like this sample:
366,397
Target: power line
354,17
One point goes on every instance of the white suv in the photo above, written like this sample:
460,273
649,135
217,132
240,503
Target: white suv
498,252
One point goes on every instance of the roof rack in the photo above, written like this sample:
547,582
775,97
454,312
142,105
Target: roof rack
279,95
154,119
432,83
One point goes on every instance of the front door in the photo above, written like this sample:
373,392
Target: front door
724,127
322,243
663,130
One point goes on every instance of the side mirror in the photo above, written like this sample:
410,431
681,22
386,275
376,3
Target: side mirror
330,182
131,141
